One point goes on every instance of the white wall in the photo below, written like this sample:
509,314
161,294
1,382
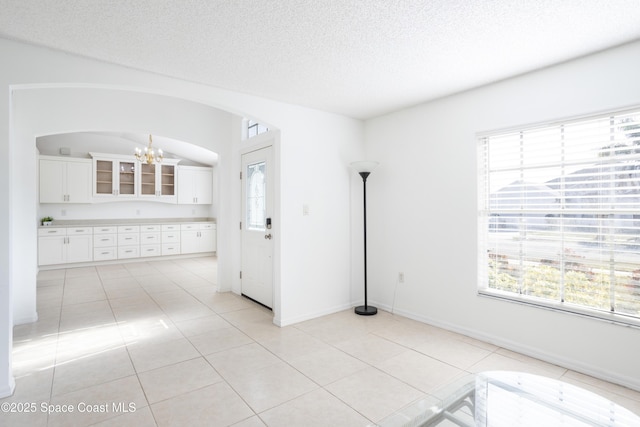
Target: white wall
423,221
313,150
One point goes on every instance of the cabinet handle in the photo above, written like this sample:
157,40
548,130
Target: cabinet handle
105,253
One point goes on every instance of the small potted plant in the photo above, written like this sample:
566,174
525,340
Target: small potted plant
46,221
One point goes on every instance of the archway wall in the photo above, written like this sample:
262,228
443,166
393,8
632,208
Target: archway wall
313,265
38,111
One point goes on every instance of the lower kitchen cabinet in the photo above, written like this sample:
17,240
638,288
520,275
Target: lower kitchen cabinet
198,237
128,241
105,243
65,245
170,239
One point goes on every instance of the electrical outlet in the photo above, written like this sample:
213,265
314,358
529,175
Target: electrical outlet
401,277
137,211
63,212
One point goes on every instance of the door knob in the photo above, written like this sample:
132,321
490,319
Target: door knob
267,236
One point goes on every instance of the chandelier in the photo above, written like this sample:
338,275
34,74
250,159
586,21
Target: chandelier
149,156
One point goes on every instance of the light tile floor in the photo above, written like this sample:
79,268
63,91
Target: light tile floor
154,344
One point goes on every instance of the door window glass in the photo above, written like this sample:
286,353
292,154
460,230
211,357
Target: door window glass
256,207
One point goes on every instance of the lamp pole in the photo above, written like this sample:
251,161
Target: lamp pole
364,169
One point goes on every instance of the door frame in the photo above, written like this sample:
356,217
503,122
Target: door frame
267,139
251,280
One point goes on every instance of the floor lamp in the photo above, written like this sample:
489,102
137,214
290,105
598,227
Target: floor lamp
364,169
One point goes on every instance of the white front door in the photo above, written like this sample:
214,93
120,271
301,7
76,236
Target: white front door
258,226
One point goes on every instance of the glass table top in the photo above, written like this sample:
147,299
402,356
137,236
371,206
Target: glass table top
510,399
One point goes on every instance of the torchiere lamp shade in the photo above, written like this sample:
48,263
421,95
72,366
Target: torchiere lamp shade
364,166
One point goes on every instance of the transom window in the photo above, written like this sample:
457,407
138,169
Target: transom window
559,210
255,128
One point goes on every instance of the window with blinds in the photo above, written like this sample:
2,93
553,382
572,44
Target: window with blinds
559,209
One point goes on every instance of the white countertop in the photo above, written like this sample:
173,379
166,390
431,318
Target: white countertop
121,221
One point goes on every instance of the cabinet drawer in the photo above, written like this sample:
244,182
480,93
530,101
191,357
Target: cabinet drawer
170,237
150,250
144,228
129,229
171,249
129,252
103,254
79,231
104,240
171,227
207,226
52,231
149,238
128,239
185,227
105,230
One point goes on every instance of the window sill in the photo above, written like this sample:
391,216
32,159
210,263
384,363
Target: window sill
615,318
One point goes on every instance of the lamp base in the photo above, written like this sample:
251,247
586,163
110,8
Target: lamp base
365,311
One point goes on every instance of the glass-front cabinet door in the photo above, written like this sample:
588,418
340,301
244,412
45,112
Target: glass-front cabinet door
157,181
104,178
148,180
127,179
114,177
168,179
123,177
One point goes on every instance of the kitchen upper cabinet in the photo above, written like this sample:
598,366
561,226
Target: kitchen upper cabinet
112,177
115,177
65,180
195,185
158,181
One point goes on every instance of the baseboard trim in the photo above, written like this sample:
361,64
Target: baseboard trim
8,389
125,261
555,359
25,320
298,319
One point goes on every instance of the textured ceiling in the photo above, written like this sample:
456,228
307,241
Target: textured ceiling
360,58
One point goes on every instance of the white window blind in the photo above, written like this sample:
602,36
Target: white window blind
559,210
